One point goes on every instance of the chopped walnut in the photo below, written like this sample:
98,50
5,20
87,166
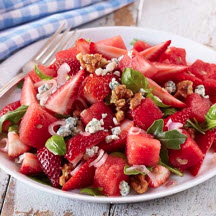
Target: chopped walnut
120,97
91,62
139,184
66,170
136,100
184,89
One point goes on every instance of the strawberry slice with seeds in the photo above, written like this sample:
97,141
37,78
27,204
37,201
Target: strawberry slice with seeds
154,52
84,177
82,46
15,146
139,46
108,52
7,108
30,165
166,98
210,89
78,144
50,164
97,88
167,72
62,100
161,175
28,95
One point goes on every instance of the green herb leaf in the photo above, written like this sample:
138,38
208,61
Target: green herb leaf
41,179
172,139
20,84
156,100
13,116
60,116
164,153
88,40
168,111
41,75
14,128
119,154
195,125
211,114
92,191
56,145
135,171
133,41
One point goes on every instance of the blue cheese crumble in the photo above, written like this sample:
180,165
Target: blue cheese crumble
94,125
200,89
124,188
142,91
90,152
130,53
170,86
41,90
113,84
115,121
115,135
111,66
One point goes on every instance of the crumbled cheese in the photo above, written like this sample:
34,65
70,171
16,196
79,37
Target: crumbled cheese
157,98
200,89
90,152
117,73
20,159
170,86
142,91
115,121
81,68
120,58
71,121
104,115
64,131
100,72
116,131
124,188
115,60
113,83
111,66
181,161
94,125
41,90
110,138
130,53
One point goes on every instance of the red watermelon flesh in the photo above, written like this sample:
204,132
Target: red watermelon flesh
33,129
109,176
140,46
115,41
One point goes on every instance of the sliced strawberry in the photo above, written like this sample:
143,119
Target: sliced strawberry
115,41
108,52
82,46
84,177
161,174
210,89
69,57
110,174
28,95
164,95
50,164
118,145
188,156
140,46
167,72
146,113
97,88
174,55
138,63
9,107
15,146
154,52
62,100
199,106
45,70
204,142
30,165
78,144
96,111
142,149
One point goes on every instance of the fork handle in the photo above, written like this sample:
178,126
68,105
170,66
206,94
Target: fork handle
12,83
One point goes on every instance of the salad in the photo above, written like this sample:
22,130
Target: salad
107,120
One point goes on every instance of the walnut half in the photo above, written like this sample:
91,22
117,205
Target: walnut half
66,170
139,184
184,89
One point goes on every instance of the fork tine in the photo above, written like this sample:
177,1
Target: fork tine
63,46
54,49
48,43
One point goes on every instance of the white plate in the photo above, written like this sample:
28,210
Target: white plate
194,51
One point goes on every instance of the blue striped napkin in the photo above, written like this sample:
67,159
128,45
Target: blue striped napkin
25,21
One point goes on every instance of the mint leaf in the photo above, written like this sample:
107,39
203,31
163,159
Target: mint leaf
172,169
92,191
13,116
168,111
134,80
56,145
172,139
119,154
133,41
41,75
135,171
14,128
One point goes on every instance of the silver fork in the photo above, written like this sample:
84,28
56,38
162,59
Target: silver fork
46,56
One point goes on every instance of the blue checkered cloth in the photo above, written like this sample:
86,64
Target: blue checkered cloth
25,21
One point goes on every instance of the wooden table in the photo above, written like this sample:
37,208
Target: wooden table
194,19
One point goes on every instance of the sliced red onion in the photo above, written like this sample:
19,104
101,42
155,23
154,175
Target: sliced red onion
85,133
56,123
4,145
100,155
82,102
101,161
76,169
170,183
77,160
174,125
42,82
168,123
135,131
62,74
51,90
